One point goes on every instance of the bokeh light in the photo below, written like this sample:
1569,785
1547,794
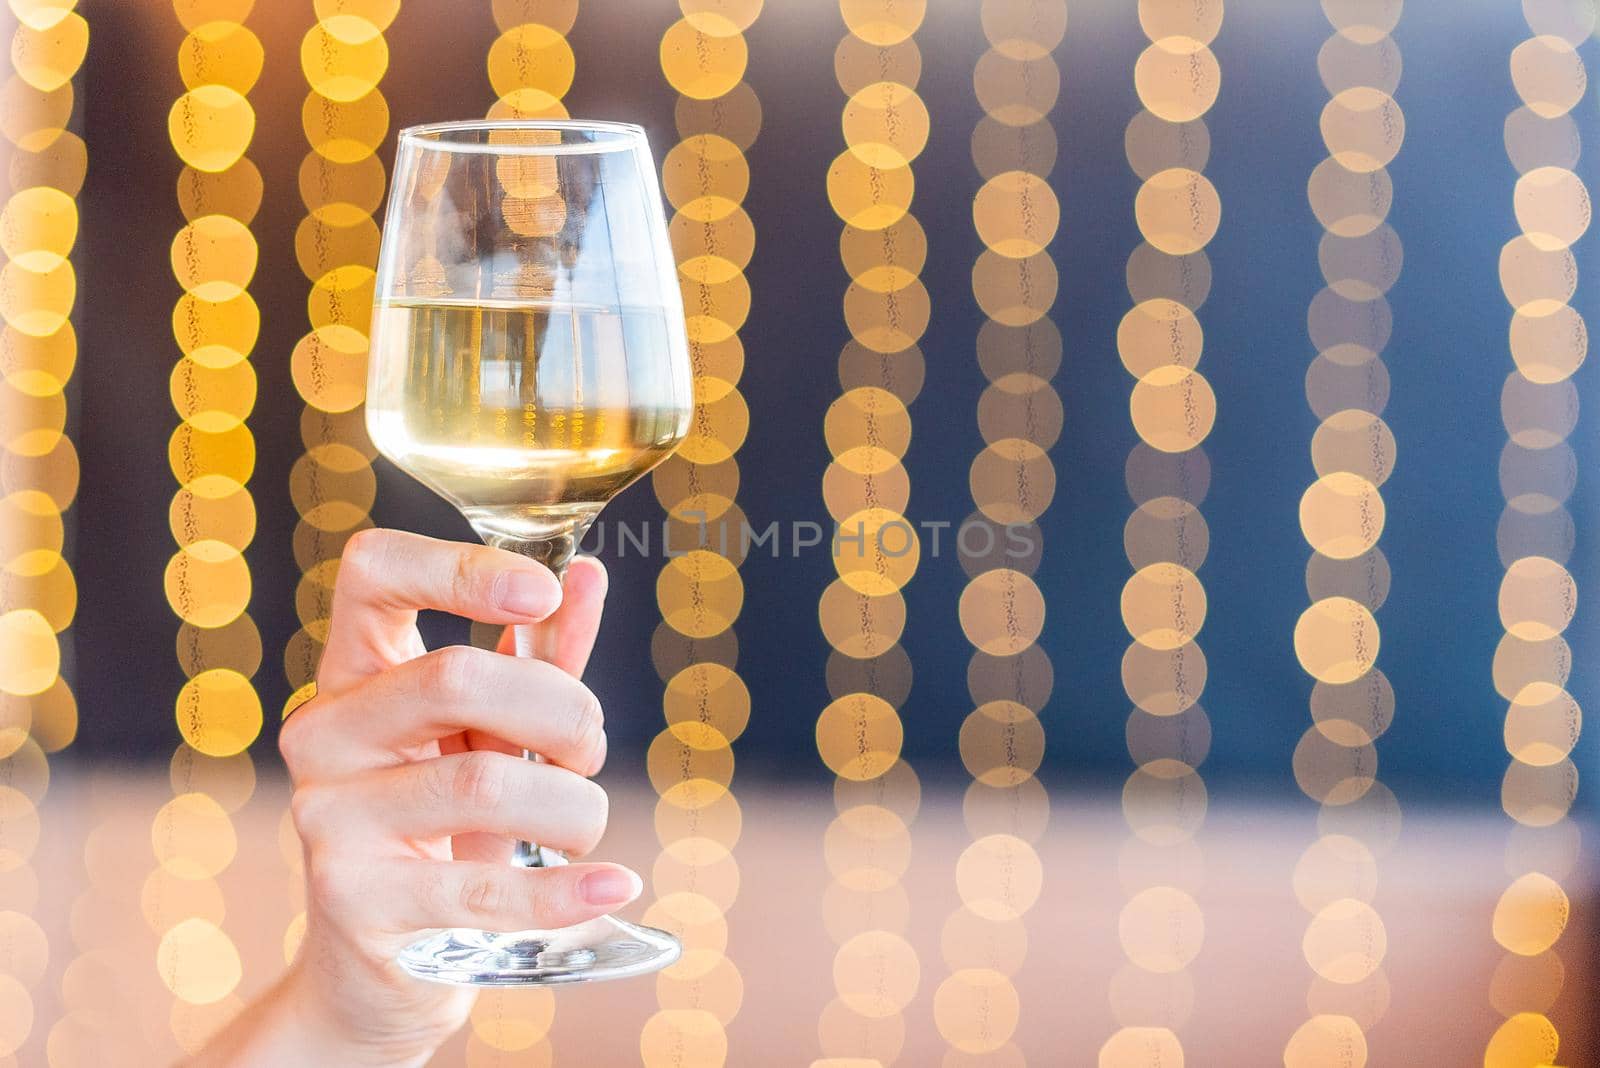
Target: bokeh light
1161,341
1538,595
700,595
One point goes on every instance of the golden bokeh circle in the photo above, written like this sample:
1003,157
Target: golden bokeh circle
1200,21
1573,21
1549,348
1355,713
30,654
229,781
1533,141
868,847
1348,202
867,197
208,583
876,551
1336,640
1164,805
235,192
38,227
1548,75
211,127
1163,606
1536,281
1016,92
33,120
999,877
1002,743
1178,211
968,940
882,24
329,367
1525,1038
708,693
859,736
876,973
1015,292
1345,941
1155,334
531,56
1025,30
1024,402
198,962
1324,1040
1342,515
1161,929
1363,19
1002,612
37,303
977,1010
46,57
885,124
1531,915
1016,214
1552,206
1363,267
889,322
1173,408
1164,682
1538,796
345,132
1333,868
214,258
857,625
193,837
219,713
1177,78
1527,983
1355,442
221,53
1538,598
699,65
1542,724
701,165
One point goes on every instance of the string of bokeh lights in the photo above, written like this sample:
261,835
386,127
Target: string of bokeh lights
695,879
213,518
1342,518
38,471
530,67
1015,213
867,489
1160,927
1538,473
341,181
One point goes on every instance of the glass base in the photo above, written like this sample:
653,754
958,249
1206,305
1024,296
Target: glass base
602,948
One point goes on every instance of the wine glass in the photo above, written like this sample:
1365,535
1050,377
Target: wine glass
528,361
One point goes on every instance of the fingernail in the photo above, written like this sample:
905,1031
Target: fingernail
609,887
525,593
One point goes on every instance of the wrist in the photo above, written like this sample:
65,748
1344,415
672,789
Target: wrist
291,1024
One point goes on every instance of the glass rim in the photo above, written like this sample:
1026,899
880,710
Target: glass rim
614,136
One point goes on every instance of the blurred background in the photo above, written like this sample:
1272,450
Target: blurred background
1262,326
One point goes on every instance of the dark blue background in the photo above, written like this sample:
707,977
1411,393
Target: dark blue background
1448,359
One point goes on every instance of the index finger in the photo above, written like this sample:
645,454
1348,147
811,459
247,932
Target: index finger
387,576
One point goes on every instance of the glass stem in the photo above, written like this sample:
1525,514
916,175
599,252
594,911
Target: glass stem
554,552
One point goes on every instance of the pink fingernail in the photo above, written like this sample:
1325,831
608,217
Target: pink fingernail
609,887
525,593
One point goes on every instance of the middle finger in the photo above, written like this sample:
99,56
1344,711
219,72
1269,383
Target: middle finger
481,792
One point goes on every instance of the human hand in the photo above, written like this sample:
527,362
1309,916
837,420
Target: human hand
410,789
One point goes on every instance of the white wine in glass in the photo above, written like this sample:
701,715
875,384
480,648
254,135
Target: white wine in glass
528,361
